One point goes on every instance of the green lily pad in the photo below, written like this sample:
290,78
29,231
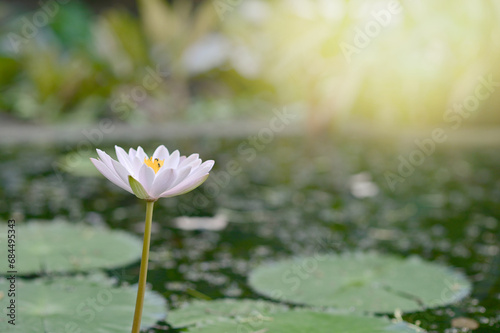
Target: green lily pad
203,312
310,322
362,282
76,304
58,246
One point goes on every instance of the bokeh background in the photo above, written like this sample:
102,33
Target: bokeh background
342,63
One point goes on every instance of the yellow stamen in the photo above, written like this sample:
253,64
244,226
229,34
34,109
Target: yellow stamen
155,164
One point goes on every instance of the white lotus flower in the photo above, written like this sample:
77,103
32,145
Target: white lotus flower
159,176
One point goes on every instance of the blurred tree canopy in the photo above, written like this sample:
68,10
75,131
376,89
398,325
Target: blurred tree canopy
388,63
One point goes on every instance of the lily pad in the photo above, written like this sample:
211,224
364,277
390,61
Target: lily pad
310,322
77,304
58,246
362,282
203,312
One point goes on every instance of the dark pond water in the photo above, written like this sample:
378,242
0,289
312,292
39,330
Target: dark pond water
293,197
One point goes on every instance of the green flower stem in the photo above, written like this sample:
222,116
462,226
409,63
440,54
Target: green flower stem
136,326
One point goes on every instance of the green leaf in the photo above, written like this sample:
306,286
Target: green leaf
310,322
72,25
203,312
77,304
362,282
137,188
59,246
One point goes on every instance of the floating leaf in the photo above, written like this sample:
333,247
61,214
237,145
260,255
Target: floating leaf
77,304
364,282
310,322
59,246
202,312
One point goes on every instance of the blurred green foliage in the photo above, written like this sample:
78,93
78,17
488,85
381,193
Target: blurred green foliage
342,61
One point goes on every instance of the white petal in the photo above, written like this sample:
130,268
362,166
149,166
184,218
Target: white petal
185,187
204,168
161,153
181,175
124,159
201,170
136,165
146,177
111,175
132,152
163,181
172,161
105,158
140,154
192,161
121,171
194,165
192,157
106,172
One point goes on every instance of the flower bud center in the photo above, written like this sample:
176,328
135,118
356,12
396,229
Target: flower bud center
154,164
